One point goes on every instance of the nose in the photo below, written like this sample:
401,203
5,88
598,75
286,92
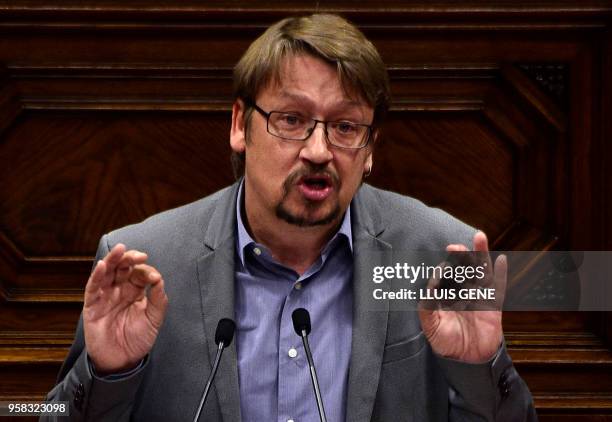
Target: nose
316,147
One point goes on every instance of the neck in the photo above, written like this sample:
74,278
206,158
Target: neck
293,246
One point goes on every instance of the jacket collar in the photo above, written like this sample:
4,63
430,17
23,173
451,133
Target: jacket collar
366,211
222,223
216,279
369,318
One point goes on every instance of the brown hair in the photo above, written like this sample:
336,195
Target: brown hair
329,37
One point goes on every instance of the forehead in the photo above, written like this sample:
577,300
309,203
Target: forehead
312,78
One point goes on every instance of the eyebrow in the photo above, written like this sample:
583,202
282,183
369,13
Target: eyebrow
305,99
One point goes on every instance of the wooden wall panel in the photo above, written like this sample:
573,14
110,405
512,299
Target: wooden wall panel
117,168
435,155
111,111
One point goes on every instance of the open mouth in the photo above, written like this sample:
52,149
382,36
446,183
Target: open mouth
316,187
316,182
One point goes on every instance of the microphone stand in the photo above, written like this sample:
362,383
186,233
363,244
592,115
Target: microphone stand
313,376
223,338
210,379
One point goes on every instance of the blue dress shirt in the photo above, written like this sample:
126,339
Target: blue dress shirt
273,371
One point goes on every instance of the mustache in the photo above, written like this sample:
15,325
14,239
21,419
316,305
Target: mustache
311,171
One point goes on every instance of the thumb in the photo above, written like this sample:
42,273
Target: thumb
428,309
157,304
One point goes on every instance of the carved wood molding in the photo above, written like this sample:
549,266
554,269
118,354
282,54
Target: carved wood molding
577,404
190,13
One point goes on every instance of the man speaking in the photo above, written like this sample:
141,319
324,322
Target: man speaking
310,94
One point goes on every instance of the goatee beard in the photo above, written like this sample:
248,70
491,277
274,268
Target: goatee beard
302,221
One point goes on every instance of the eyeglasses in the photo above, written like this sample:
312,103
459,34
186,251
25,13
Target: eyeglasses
294,127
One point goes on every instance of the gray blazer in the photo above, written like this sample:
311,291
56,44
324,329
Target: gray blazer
394,375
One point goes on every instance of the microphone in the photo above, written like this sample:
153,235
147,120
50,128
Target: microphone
301,325
223,338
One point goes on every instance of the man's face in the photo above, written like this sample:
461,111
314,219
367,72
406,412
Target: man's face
306,183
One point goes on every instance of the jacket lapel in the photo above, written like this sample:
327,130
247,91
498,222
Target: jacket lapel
216,278
369,325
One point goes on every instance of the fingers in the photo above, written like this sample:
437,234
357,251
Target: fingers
114,257
428,310
117,264
158,302
430,306
94,283
143,275
126,264
480,257
101,275
480,242
456,247
496,274
500,280
481,245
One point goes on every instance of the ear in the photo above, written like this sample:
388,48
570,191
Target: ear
367,164
238,131
374,138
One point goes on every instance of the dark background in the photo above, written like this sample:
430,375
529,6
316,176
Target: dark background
111,111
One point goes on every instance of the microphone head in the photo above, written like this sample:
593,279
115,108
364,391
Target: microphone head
225,331
301,321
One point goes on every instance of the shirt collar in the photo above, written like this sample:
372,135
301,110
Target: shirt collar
244,239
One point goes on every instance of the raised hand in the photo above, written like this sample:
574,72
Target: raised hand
120,321
472,334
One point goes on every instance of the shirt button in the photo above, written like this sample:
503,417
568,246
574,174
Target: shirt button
257,251
292,353
298,286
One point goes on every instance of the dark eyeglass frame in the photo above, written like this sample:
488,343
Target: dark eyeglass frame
267,115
